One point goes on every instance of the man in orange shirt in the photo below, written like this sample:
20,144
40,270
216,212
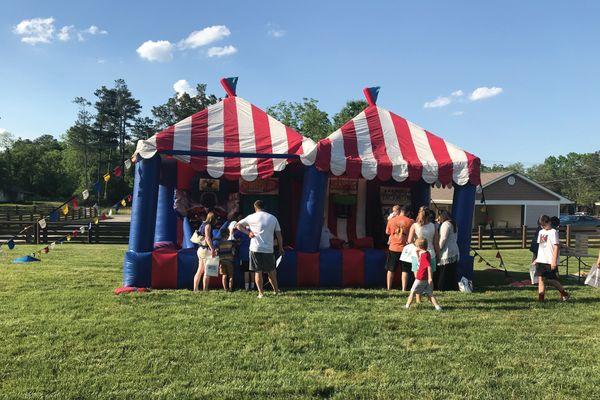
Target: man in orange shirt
397,228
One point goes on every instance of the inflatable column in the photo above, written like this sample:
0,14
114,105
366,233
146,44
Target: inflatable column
463,205
312,206
186,243
166,218
137,266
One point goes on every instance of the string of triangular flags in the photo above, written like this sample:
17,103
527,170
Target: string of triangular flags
73,202
84,228
489,221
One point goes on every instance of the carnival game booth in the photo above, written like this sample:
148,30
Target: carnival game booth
376,160
220,159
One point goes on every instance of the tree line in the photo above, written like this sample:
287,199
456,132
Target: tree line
108,124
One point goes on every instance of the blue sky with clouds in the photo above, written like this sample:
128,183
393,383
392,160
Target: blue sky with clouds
511,81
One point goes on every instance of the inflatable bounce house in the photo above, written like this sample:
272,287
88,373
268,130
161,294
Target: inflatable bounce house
331,198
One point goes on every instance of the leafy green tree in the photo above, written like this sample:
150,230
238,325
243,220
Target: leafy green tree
305,117
517,167
143,128
349,111
181,106
80,135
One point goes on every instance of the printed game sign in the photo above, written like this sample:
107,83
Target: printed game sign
345,186
260,186
390,195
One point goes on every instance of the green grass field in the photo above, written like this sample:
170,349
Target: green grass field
65,335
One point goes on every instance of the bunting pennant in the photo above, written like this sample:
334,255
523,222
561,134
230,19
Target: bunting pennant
82,229
65,209
97,187
127,164
483,209
11,244
85,194
52,245
129,198
123,203
110,213
75,203
117,171
90,226
103,216
42,223
96,221
106,177
75,233
46,249
54,216
68,238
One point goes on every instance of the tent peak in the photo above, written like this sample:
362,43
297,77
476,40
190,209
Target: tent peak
371,94
229,84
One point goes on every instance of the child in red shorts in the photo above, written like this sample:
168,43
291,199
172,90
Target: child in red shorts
424,277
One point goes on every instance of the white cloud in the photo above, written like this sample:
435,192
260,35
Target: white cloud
64,34
441,101
458,93
458,113
101,61
485,92
94,30
161,50
276,33
204,37
221,51
2,130
182,86
35,30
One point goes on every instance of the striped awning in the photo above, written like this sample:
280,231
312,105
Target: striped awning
379,143
231,139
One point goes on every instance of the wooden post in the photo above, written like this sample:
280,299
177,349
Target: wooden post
45,234
524,236
568,235
37,233
479,237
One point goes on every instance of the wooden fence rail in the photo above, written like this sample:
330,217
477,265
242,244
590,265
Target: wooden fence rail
33,213
520,238
110,232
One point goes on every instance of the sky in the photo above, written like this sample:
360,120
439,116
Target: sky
511,81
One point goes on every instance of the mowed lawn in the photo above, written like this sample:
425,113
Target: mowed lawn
64,334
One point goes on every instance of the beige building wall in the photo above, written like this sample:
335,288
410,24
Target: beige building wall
506,216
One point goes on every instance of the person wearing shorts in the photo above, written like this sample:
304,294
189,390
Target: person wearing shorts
261,227
546,262
226,258
397,228
424,277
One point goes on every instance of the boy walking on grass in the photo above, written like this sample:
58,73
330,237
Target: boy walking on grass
546,262
424,277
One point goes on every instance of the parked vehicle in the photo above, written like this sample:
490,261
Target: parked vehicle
579,220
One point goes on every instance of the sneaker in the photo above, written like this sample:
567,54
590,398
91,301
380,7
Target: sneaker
260,296
438,308
565,297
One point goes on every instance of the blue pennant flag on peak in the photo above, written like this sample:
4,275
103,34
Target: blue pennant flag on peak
371,94
97,187
229,84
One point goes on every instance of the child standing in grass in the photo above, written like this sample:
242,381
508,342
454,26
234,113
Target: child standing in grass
424,277
546,262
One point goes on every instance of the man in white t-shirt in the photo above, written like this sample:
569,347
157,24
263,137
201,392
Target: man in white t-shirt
546,262
262,227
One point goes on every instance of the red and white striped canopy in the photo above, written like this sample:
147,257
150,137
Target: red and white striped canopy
379,143
231,139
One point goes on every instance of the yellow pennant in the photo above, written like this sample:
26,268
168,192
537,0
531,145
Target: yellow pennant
68,238
65,209
107,177
96,220
123,203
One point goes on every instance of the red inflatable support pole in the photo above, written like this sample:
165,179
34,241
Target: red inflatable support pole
164,269
353,268
308,269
